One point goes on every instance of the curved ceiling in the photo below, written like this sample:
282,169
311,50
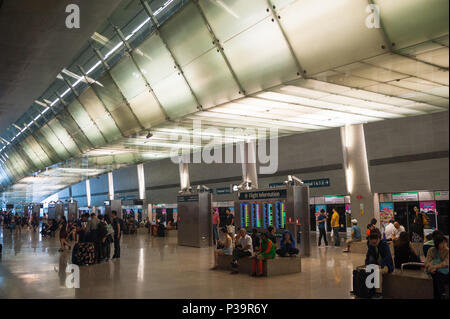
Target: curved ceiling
240,64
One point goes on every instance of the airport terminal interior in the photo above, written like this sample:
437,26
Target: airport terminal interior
224,149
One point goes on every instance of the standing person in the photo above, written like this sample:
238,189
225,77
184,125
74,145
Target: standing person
436,264
356,235
102,234
266,251
417,226
243,248
389,230
35,221
117,232
335,226
62,227
321,222
230,222
215,224
18,223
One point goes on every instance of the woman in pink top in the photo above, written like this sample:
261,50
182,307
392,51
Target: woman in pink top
215,224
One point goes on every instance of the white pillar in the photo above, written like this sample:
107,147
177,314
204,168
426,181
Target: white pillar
111,186
248,159
357,173
141,181
88,192
184,174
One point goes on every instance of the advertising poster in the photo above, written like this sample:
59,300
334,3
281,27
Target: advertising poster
386,213
429,209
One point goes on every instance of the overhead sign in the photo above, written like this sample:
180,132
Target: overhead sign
260,195
441,195
187,198
312,183
316,183
223,190
409,196
334,199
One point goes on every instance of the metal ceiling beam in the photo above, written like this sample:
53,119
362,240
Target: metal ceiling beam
108,70
147,84
150,14
219,47
77,97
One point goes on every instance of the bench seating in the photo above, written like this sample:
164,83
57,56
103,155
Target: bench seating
271,267
407,284
360,247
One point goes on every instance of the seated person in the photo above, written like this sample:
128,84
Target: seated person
379,253
287,245
256,241
356,235
224,247
398,229
266,251
436,264
428,244
271,233
404,252
170,225
243,248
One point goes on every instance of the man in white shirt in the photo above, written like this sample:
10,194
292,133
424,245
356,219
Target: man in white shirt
243,248
398,229
389,230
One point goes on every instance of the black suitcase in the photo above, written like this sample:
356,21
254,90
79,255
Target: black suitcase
360,289
83,254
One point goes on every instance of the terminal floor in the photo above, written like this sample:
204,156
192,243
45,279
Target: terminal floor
151,267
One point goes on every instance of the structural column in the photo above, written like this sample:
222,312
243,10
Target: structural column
141,186
185,183
111,186
357,174
88,192
248,159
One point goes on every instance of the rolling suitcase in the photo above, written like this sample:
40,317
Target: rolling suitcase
83,254
360,289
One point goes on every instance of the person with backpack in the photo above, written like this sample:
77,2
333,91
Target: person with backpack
102,233
117,226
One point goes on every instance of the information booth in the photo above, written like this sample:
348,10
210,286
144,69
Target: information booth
71,210
283,207
113,205
194,219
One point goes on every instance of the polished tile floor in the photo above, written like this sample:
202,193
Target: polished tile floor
151,267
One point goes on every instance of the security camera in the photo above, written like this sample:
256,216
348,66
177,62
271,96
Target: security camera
149,135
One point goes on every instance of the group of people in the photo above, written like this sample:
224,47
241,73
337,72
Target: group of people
100,230
16,222
321,221
435,250
259,247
